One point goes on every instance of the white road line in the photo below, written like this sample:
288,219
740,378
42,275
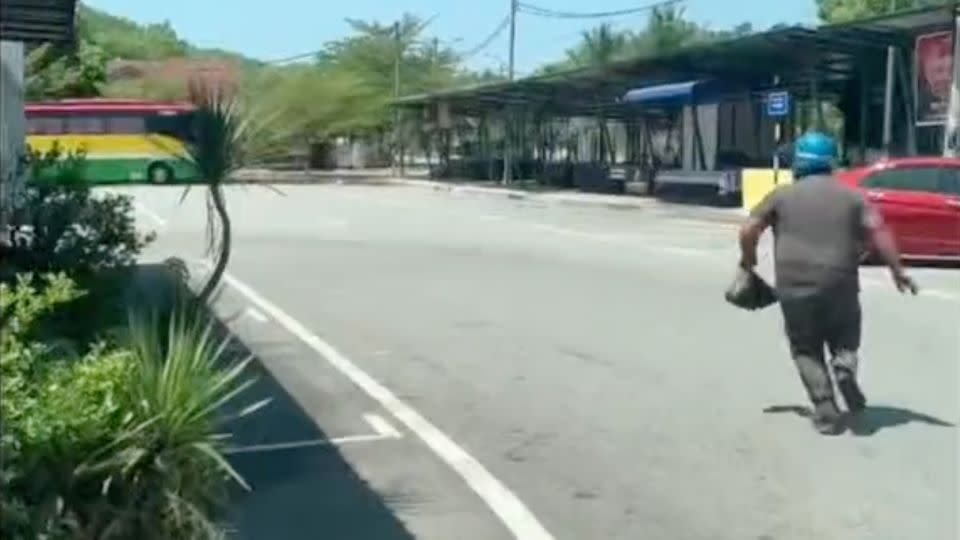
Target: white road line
295,445
686,252
936,293
706,225
150,214
256,314
639,239
335,223
571,232
382,427
507,506
491,217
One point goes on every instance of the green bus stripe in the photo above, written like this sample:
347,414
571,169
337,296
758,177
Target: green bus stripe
98,170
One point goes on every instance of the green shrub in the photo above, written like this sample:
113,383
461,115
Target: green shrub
121,443
72,410
65,227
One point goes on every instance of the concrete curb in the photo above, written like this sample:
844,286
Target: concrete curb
618,202
734,215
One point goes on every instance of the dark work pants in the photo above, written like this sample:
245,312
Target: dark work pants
830,320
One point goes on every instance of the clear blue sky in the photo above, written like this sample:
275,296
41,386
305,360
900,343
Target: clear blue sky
280,28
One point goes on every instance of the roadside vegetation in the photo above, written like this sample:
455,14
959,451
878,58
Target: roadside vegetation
112,410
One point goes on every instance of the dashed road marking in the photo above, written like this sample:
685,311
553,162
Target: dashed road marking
256,314
571,232
686,252
382,427
150,214
383,430
937,293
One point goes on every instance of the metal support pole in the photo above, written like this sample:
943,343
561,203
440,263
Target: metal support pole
888,103
815,92
508,140
398,53
951,132
888,95
864,114
777,128
906,90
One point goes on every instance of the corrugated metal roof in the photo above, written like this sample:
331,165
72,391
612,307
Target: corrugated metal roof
832,55
37,21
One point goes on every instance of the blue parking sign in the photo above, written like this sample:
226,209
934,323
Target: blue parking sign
778,104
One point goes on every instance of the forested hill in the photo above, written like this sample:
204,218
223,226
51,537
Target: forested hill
122,38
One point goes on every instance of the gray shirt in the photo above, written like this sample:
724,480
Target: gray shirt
820,228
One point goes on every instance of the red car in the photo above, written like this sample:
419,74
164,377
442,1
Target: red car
920,200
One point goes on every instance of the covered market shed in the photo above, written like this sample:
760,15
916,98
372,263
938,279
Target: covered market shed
878,83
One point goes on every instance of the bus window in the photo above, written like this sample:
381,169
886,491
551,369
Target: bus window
46,125
126,125
176,126
87,125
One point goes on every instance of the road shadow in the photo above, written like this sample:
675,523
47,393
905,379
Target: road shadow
300,493
869,421
297,493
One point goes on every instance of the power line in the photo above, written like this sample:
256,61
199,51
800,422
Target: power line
295,57
531,9
489,39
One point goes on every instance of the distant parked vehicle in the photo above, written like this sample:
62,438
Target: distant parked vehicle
919,198
124,140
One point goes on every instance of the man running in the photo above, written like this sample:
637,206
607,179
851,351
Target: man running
820,228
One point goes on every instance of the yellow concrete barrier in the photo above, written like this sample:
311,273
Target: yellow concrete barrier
757,183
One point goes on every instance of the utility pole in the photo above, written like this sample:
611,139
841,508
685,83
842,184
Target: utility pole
507,131
397,147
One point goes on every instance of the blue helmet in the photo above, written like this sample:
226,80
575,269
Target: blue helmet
813,153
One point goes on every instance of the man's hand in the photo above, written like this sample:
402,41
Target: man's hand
904,283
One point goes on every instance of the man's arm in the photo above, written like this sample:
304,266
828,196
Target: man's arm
761,218
750,234
883,243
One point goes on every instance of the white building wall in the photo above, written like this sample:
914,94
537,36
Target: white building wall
12,129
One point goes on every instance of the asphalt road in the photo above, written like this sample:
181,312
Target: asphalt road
584,357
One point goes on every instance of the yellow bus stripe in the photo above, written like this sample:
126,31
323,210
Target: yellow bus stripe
154,145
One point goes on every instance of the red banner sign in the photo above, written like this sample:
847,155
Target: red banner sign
934,76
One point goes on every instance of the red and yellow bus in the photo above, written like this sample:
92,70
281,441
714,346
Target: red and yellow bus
124,141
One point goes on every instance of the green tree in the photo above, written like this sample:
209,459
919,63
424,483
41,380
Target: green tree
598,46
123,38
54,73
833,11
667,30
317,104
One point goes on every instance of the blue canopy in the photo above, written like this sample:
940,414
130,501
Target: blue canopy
682,93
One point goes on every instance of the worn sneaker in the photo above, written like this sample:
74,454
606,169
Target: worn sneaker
827,419
852,395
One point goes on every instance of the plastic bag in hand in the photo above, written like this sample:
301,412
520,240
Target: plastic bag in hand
749,291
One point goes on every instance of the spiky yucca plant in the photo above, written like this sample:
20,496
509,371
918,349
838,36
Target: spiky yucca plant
166,473
222,143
